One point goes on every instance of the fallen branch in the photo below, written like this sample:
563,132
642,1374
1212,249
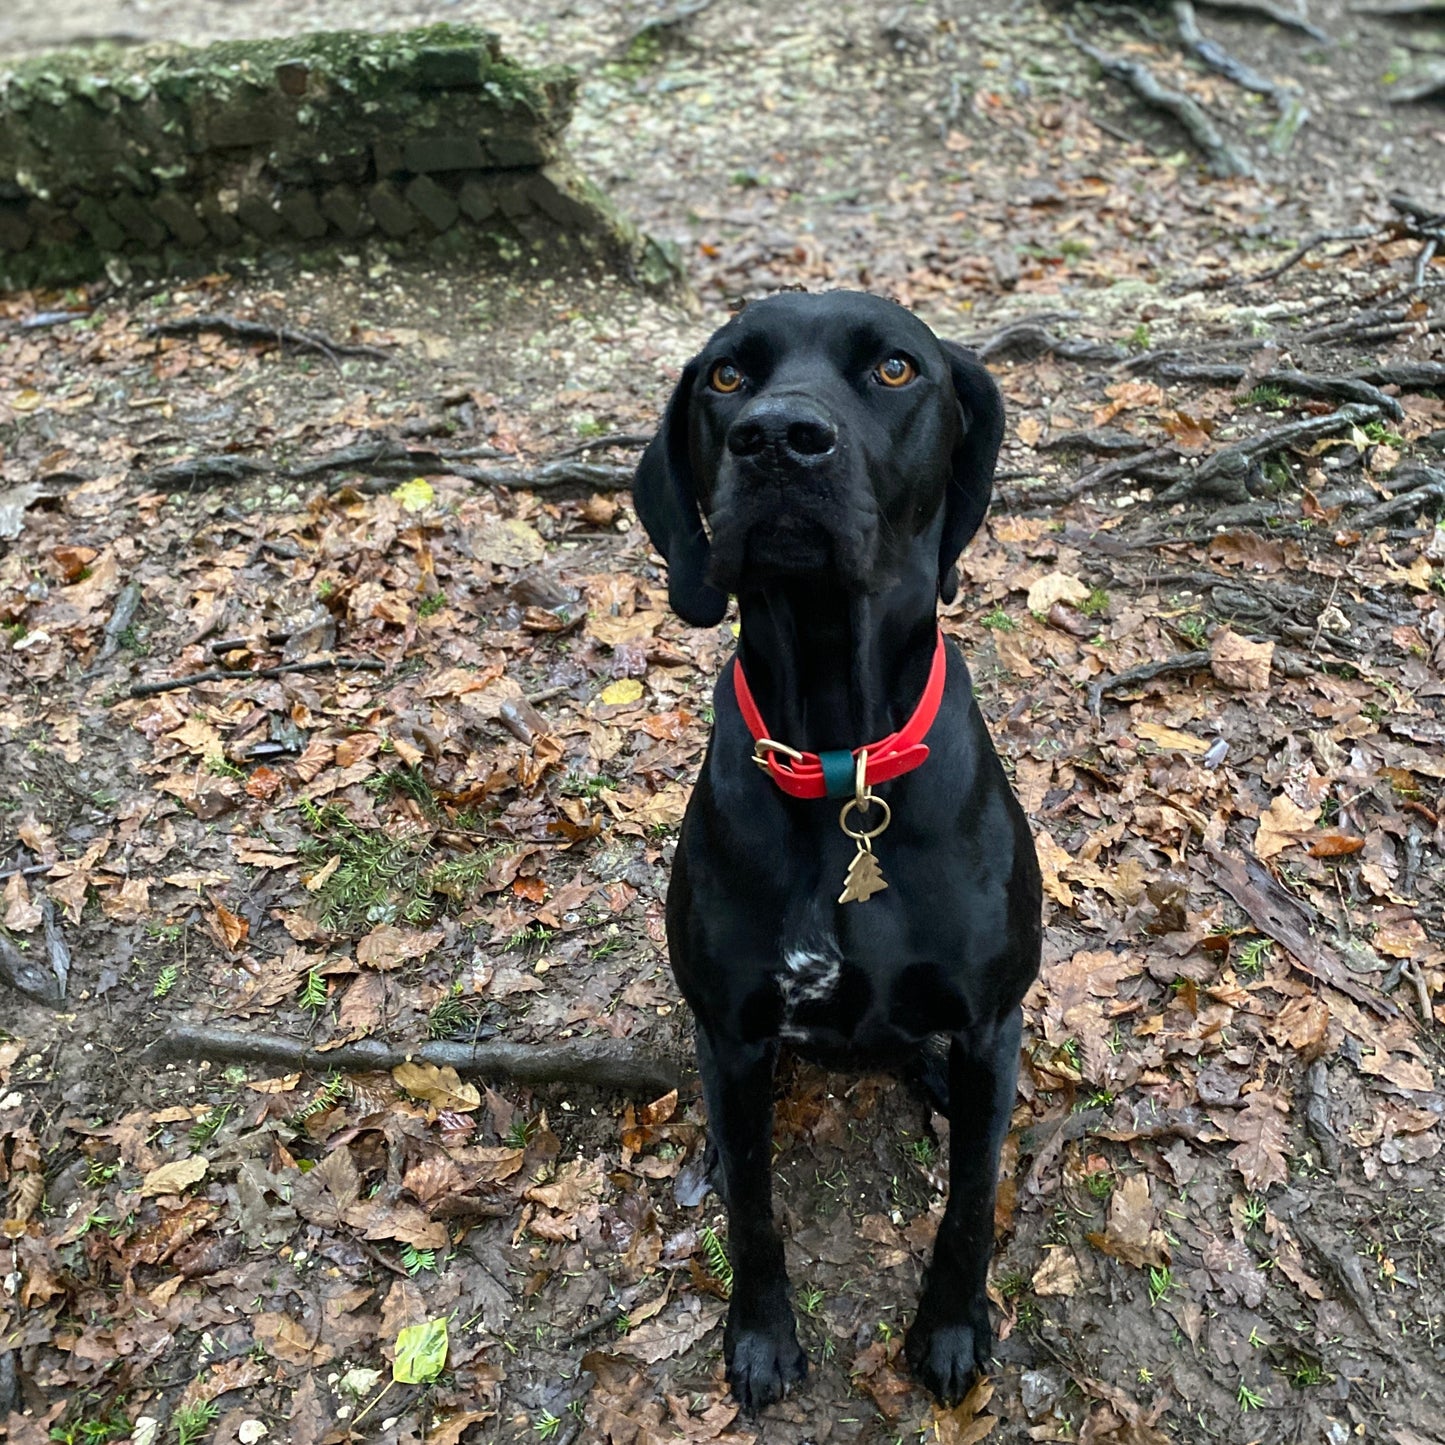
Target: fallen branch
121,617
240,329
597,1063
1145,672
222,674
1223,159
32,871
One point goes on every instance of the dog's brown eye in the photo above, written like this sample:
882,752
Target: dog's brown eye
726,377
896,371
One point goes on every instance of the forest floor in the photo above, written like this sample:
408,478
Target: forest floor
1222,1213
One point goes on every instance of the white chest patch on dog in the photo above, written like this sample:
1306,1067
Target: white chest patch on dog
809,976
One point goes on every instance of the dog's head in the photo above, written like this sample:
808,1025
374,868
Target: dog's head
831,437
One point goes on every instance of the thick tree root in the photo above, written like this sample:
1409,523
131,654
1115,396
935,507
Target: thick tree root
389,460
1223,159
1226,474
595,1063
1288,19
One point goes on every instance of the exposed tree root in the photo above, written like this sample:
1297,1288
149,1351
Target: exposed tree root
389,460
239,329
1226,474
1288,19
1029,338
1049,496
1320,238
596,1063
1292,112
1222,158
1145,672
1422,488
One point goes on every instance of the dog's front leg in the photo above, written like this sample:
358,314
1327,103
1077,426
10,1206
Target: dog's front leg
952,1340
760,1344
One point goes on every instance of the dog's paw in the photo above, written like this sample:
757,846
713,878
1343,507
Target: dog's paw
762,1363
948,1355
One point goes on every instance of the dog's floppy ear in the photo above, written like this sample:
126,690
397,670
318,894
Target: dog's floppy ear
664,493
971,485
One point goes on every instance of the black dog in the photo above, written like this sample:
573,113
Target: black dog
842,456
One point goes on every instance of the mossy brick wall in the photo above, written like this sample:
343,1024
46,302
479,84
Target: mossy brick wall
167,156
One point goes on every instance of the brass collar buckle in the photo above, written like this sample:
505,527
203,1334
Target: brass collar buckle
764,746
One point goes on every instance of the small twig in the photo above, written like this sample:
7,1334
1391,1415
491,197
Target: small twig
121,617
612,439
1415,974
1145,672
30,872
600,1063
243,330
1423,260
220,674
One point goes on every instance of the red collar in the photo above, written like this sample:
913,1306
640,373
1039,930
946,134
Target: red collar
832,775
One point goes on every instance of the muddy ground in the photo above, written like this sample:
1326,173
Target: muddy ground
1225,1211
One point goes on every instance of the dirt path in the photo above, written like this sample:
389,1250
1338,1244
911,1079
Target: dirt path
1225,1212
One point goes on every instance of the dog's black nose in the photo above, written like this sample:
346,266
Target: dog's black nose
787,427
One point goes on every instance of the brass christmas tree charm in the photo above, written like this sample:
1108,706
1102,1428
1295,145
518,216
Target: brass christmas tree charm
865,877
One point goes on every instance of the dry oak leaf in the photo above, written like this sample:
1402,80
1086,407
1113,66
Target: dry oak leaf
441,1087
389,946
1058,1275
1283,825
1259,1129
662,1338
175,1177
576,1183
1130,1232
289,1341
1055,587
22,913
1239,663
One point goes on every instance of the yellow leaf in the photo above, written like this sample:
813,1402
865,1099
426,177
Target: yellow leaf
421,1352
1056,587
624,690
416,495
1169,740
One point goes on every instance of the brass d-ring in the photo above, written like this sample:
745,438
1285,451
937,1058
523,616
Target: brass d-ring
866,802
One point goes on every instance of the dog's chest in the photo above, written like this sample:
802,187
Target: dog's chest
808,983
833,1001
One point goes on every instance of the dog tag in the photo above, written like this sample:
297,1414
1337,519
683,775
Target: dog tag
865,877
